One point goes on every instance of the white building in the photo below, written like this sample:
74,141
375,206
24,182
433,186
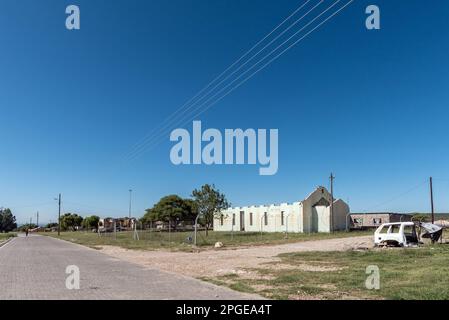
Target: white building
310,215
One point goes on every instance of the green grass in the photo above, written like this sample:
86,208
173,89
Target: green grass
178,240
5,236
420,273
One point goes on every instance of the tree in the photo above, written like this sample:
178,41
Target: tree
168,209
209,203
7,220
421,217
91,222
51,225
192,209
71,221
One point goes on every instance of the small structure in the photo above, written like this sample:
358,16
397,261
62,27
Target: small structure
309,215
125,224
375,219
106,225
121,224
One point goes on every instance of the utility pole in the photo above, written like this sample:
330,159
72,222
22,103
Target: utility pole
431,200
332,203
59,215
37,219
130,193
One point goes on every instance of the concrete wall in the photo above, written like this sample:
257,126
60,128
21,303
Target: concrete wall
373,220
341,214
254,218
397,217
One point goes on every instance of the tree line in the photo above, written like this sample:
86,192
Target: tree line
205,203
69,222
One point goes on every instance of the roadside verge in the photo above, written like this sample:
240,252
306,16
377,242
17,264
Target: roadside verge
4,242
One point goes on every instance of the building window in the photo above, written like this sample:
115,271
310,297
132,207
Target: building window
282,218
265,218
233,219
250,218
377,220
221,219
358,220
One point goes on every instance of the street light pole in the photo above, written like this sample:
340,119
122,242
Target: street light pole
332,203
59,215
431,200
130,193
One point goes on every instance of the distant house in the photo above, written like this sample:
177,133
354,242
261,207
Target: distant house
309,215
121,224
126,224
375,219
106,225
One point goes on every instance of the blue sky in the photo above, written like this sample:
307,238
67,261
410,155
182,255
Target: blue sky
370,106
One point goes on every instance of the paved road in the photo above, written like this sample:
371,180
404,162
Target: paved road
34,268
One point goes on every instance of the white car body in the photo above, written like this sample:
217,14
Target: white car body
401,234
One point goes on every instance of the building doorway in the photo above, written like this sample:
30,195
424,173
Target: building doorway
320,219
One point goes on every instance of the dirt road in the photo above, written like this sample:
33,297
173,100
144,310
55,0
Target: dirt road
225,261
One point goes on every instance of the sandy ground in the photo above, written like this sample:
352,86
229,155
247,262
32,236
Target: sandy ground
225,260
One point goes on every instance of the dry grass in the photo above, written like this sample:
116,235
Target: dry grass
420,274
179,241
6,236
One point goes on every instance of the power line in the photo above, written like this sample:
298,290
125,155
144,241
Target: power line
278,47
266,64
399,196
180,113
149,136
240,76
